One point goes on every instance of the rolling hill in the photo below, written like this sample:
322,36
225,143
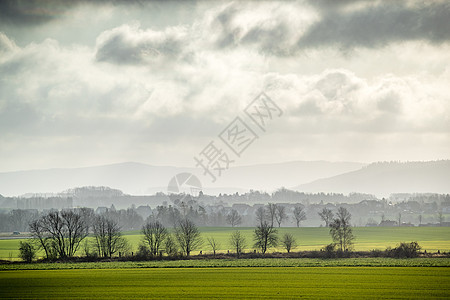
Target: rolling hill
382,179
139,179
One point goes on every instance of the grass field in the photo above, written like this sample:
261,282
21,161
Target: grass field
233,263
275,282
308,238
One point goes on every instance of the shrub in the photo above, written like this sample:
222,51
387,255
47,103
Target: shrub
27,251
376,253
405,250
143,252
329,250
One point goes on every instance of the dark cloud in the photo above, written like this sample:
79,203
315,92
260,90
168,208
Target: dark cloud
36,12
26,13
375,26
130,45
333,5
343,24
269,32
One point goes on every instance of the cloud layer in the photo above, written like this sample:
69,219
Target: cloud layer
360,80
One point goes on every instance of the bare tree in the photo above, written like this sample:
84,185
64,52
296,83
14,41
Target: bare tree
420,219
41,238
265,236
87,216
299,215
280,214
341,231
108,239
271,212
76,230
188,236
288,242
213,244
237,241
260,215
233,218
399,219
66,230
327,216
154,234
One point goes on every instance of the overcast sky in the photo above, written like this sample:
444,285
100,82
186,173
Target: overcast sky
87,83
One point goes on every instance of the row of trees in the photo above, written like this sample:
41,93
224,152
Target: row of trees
19,219
277,213
187,238
266,235
59,234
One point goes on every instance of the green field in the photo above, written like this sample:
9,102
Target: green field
275,282
233,263
308,238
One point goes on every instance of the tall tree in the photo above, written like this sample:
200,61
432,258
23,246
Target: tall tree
265,236
299,215
280,214
154,234
66,230
327,216
341,230
41,238
87,217
107,236
188,236
237,241
233,218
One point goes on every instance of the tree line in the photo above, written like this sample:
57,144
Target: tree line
60,234
207,210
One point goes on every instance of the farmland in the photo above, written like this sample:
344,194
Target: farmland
233,263
431,239
263,282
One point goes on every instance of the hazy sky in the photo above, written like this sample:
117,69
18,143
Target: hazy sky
87,83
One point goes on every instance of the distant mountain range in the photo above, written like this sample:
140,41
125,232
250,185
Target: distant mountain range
380,179
385,178
139,179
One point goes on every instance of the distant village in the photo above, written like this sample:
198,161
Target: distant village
237,210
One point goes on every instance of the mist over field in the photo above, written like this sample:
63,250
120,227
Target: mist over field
380,179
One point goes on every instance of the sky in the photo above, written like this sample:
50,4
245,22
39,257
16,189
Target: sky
86,83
